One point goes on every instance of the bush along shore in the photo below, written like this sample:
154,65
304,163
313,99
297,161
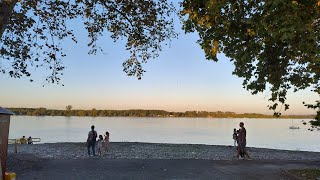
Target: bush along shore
128,150
143,113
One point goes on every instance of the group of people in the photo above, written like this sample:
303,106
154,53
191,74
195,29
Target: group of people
240,140
102,144
23,140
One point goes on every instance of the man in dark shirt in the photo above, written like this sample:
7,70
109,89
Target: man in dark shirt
91,141
242,139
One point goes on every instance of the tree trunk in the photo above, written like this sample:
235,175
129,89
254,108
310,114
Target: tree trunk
6,8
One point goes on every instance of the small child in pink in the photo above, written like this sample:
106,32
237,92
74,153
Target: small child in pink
106,141
100,145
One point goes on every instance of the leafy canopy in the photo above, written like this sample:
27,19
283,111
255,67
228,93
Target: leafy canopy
274,44
32,31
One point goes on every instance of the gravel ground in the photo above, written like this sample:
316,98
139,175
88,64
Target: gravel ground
153,161
140,169
126,150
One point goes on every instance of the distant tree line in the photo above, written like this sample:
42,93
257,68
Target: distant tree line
141,113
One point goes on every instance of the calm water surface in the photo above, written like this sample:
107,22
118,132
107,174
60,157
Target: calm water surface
266,133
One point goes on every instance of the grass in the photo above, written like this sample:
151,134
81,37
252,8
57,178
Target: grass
306,173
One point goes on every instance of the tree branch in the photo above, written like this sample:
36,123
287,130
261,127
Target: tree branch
6,8
117,10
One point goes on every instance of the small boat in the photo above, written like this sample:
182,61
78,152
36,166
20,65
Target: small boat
304,123
294,127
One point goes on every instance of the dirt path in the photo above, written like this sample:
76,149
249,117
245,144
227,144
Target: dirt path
96,168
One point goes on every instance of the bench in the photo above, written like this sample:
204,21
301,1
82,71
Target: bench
16,142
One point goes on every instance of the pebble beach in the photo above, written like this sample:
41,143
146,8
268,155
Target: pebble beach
133,150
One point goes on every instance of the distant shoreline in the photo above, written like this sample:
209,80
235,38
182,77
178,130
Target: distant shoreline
145,113
271,117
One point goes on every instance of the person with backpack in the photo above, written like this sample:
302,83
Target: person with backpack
91,141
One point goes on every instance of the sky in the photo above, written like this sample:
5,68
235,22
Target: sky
180,79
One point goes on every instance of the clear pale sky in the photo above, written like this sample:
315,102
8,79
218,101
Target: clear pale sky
180,79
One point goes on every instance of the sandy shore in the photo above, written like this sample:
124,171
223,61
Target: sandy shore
127,150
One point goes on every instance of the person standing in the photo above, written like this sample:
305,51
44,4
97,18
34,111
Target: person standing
100,145
91,141
30,141
235,137
242,141
106,141
23,140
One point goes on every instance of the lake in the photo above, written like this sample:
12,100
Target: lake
263,133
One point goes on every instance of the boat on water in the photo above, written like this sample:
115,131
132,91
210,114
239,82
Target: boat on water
294,127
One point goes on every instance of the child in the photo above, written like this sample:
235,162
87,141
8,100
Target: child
106,141
30,140
235,137
100,145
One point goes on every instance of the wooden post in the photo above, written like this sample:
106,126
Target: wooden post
1,170
15,146
4,133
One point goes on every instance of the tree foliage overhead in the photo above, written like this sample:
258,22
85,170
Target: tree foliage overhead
274,44
32,31
317,117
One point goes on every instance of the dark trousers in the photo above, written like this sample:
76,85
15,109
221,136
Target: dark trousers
92,144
